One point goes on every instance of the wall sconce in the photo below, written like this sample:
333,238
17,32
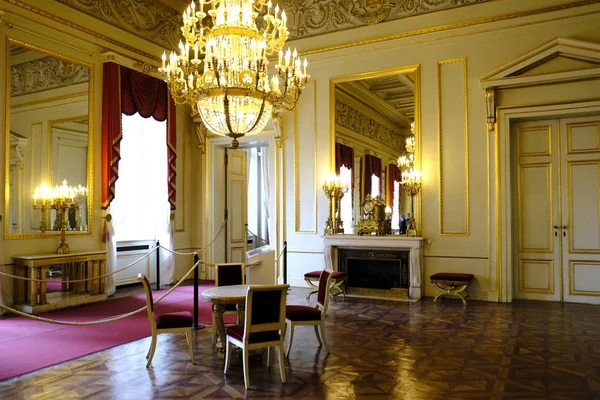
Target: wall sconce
334,190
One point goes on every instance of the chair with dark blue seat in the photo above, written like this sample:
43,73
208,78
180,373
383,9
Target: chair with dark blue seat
263,327
307,315
174,322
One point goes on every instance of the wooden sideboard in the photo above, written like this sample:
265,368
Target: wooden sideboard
32,297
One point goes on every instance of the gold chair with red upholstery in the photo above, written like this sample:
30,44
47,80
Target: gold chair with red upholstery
227,274
338,283
173,322
307,315
263,327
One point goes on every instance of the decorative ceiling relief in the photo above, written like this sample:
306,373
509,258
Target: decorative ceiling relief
352,119
44,74
314,17
149,19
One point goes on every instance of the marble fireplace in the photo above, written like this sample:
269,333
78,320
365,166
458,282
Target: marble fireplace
388,267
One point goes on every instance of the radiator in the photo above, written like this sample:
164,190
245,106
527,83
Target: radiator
129,251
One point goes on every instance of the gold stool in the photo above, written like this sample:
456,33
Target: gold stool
338,283
452,284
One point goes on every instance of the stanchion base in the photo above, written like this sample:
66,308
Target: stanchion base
199,326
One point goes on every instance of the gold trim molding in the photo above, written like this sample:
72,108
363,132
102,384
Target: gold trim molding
463,61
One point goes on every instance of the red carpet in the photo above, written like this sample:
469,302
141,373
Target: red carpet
27,345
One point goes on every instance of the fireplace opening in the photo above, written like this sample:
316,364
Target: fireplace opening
382,273
374,274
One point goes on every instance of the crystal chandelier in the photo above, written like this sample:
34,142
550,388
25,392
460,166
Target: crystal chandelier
222,67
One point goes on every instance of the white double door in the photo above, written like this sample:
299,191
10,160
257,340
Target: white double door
556,209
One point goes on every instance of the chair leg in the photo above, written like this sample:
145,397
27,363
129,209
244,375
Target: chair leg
245,366
282,363
152,349
291,329
268,356
317,334
313,288
322,325
227,356
188,337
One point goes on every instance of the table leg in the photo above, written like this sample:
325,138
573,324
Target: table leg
43,285
218,310
33,292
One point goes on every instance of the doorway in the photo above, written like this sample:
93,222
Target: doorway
555,202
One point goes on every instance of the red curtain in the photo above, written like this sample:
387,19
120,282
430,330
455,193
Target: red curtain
111,131
127,91
393,175
372,167
344,156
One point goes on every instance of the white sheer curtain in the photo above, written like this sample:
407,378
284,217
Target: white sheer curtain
140,209
267,189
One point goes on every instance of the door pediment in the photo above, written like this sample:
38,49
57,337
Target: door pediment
560,60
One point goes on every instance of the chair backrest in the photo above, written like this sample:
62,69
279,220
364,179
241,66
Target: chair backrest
265,310
149,300
229,274
323,293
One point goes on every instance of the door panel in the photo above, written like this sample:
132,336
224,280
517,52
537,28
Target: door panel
236,205
536,259
580,172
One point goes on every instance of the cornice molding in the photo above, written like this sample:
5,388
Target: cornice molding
354,120
316,17
44,74
151,20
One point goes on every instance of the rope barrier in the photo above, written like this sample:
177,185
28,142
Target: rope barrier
200,250
280,254
102,321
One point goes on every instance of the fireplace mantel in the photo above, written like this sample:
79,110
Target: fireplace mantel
392,242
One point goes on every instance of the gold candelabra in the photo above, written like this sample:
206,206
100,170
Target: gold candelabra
334,190
63,199
411,181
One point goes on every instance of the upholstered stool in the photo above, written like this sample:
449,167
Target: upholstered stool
338,283
452,284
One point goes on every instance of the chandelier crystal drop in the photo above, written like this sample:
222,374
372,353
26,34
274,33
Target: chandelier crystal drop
222,67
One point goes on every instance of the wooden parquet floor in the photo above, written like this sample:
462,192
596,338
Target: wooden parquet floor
380,350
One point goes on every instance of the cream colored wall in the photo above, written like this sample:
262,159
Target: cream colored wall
460,241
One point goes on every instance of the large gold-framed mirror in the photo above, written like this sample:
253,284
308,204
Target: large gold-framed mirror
374,114
49,139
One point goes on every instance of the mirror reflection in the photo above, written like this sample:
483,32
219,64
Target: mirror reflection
48,141
375,149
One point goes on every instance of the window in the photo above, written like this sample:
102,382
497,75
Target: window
140,207
346,202
375,186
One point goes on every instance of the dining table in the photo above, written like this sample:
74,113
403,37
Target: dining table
220,296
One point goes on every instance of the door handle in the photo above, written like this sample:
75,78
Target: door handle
555,227
564,227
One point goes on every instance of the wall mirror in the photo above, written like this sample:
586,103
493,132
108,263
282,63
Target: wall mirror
374,115
48,141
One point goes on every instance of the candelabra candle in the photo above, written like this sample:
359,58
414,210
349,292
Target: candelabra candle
62,199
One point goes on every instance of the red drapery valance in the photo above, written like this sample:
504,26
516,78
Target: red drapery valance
372,167
127,91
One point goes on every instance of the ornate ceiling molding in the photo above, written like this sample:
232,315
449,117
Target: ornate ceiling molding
44,74
352,119
149,19
315,17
